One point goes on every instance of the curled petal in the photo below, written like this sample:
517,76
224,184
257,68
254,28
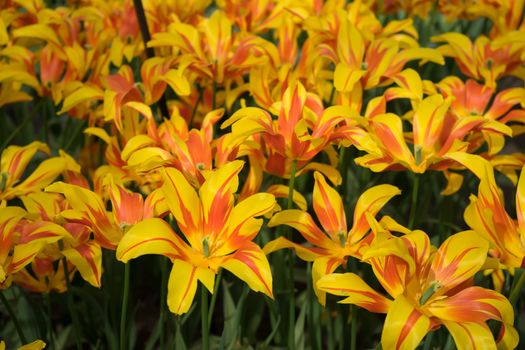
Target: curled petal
371,202
250,264
88,260
302,222
356,291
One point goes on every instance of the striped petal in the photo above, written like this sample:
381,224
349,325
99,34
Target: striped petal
151,236
253,206
389,129
356,291
217,197
370,202
471,335
281,191
182,285
87,258
304,253
302,222
404,326
250,264
459,258
328,207
184,204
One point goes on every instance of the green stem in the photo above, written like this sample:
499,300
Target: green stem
204,319
144,30
413,206
291,184
194,111
291,304
353,334
163,286
76,132
515,293
51,341
428,341
71,305
214,298
449,345
124,309
13,318
19,128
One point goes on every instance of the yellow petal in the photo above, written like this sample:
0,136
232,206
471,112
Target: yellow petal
87,258
459,258
184,203
250,264
182,285
471,335
356,291
404,326
371,201
328,207
151,236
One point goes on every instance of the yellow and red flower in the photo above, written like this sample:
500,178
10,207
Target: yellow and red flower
218,231
331,246
429,288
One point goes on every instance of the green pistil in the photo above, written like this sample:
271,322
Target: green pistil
205,247
434,287
342,238
3,181
417,151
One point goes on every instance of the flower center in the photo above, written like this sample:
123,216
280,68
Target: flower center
434,287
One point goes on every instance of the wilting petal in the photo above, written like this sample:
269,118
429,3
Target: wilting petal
371,202
459,258
87,258
151,236
250,264
356,291
328,207
404,326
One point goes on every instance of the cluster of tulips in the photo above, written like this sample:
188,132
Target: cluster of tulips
305,150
